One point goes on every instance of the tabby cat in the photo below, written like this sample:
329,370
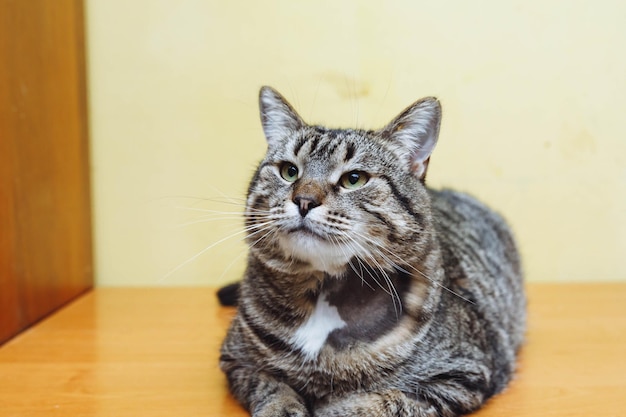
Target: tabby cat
367,293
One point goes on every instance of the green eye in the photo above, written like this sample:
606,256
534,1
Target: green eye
353,180
289,171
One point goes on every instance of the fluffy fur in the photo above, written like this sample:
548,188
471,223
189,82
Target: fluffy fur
367,293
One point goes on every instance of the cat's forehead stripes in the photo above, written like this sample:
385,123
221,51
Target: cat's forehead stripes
326,143
299,144
349,152
314,141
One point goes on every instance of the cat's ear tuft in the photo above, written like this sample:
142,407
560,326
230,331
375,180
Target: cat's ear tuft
279,119
414,133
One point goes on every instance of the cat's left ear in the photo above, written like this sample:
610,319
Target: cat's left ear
414,133
277,116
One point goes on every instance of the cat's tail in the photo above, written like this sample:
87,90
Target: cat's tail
229,294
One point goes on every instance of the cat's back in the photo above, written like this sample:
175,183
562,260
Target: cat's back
469,225
481,259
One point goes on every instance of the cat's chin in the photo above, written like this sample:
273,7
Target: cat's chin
323,256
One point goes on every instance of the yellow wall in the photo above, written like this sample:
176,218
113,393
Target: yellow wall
533,92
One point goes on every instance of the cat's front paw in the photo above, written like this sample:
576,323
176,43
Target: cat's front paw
282,408
390,403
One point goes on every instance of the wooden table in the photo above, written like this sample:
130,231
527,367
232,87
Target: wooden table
153,352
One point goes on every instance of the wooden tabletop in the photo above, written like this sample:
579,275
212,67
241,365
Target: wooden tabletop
153,352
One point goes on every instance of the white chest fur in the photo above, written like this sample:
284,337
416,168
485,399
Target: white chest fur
312,334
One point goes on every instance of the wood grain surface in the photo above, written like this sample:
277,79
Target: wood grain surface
45,219
154,352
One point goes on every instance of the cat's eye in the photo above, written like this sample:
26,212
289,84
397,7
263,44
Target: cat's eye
288,171
353,180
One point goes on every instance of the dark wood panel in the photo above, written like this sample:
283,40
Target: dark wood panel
45,257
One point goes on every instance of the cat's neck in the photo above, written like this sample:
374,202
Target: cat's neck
299,286
282,281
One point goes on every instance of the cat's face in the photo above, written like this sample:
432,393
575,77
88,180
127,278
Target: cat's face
327,199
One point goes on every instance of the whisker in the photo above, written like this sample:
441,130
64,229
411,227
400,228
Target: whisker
230,265
432,281
207,220
358,273
377,265
271,231
260,229
212,211
203,251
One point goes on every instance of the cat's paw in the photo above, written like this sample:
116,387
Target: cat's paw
282,408
390,403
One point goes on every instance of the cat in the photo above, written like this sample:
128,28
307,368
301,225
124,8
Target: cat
367,293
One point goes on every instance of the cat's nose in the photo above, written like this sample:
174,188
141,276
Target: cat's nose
305,204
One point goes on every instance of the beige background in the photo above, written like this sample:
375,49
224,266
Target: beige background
533,92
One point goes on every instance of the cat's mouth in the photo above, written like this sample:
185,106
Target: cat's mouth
306,244
305,230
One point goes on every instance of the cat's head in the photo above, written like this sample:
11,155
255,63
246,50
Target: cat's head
330,199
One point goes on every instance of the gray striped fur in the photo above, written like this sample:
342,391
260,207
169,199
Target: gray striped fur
391,299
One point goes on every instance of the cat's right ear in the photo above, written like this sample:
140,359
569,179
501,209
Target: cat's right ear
279,119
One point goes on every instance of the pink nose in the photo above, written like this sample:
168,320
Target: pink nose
305,204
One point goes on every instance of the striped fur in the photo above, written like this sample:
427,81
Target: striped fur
367,293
